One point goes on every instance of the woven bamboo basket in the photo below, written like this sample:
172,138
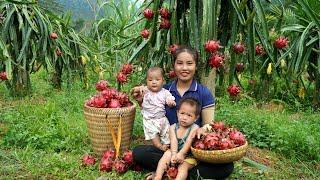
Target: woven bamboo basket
100,120
220,156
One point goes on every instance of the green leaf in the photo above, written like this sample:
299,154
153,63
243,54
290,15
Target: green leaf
25,40
31,23
312,40
8,68
303,37
309,12
22,2
235,5
293,27
138,50
251,47
194,33
265,43
261,16
8,20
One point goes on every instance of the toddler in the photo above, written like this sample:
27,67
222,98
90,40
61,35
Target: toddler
155,124
181,136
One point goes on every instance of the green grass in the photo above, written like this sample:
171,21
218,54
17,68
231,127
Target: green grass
45,136
294,134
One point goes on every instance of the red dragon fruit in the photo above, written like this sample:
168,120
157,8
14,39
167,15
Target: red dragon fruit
218,125
106,165
53,36
211,141
216,61
164,13
120,166
281,42
88,160
145,33
128,104
239,67
172,172
127,69
109,154
114,103
212,46
99,101
165,24
171,74
102,85
219,137
172,48
122,78
114,92
3,76
239,48
233,90
128,157
107,94
237,137
90,102
259,49
225,144
148,14
198,144
123,98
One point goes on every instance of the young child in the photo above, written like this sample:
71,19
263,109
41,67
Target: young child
155,124
181,136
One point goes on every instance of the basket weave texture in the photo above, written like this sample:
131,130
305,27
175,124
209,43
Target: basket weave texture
97,120
220,156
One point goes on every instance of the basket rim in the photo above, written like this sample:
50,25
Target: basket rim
110,109
220,151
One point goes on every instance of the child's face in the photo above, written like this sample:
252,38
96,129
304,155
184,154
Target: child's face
154,81
186,114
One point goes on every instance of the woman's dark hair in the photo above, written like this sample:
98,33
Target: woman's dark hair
193,52
191,101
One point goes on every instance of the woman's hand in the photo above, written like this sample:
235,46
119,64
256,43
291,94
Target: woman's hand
200,132
137,93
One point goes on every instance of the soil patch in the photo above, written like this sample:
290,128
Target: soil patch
261,156
271,106
13,103
3,129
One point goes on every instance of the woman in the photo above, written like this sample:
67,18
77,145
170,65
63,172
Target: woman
185,65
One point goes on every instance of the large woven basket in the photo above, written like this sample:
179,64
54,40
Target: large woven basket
100,120
220,156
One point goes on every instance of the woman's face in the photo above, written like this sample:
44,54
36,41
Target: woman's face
185,67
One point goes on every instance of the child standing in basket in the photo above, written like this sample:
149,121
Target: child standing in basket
155,124
181,136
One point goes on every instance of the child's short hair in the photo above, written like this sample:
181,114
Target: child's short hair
191,101
152,69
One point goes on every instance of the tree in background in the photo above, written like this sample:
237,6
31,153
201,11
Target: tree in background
31,37
52,5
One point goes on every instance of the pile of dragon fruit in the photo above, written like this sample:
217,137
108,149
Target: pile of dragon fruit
109,162
108,97
219,137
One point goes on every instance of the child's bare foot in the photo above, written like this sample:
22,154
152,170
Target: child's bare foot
149,176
